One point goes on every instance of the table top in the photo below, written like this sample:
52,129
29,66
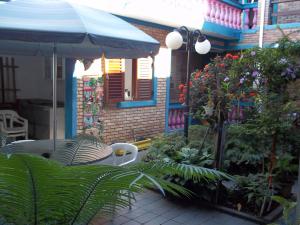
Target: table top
68,152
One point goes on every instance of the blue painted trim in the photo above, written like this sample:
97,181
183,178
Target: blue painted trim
70,100
135,104
176,106
250,5
247,46
244,104
275,10
147,103
250,31
224,31
155,84
146,23
233,3
282,26
167,104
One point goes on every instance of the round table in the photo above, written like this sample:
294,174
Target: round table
68,152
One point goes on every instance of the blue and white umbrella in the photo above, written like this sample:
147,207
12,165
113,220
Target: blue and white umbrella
60,27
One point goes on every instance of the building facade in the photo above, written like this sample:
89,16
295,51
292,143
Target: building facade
229,25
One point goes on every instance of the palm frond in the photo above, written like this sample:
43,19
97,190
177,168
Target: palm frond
34,190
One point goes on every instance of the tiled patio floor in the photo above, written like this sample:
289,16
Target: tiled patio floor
152,209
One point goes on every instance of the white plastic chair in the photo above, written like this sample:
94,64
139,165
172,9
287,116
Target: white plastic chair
124,149
21,141
129,155
13,125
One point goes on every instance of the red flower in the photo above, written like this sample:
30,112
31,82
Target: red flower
181,96
252,94
222,65
197,75
190,84
206,67
181,100
228,56
180,87
235,57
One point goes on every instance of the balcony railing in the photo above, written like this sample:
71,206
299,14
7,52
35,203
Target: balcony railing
284,11
224,14
250,21
175,117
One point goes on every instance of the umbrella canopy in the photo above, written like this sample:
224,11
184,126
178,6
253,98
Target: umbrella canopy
60,27
33,27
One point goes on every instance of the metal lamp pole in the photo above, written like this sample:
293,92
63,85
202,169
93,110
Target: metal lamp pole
191,38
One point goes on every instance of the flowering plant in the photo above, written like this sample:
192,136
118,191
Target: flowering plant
213,89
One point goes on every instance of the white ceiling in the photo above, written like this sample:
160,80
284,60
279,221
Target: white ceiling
174,13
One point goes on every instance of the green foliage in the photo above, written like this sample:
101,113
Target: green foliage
285,168
254,189
34,190
245,145
172,148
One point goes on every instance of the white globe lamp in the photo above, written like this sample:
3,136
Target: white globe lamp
174,40
203,47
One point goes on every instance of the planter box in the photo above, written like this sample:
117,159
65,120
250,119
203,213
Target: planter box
271,217
267,219
142,145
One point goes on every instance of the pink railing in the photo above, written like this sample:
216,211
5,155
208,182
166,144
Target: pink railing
223,14
250,18
176,119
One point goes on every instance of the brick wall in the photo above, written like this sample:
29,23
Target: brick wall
146,121
119,123
289,7
158,34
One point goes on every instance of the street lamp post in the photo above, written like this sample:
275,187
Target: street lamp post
193,39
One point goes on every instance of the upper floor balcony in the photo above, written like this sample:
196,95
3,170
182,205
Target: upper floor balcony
223,19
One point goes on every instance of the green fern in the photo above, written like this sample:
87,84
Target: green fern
34,190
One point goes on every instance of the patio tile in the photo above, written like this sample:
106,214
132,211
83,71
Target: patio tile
145,217
249,223
120,220
171,222
132,222
152,209
135,213
158,221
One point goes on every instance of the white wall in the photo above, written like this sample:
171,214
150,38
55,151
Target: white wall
162,63
128,76
31,81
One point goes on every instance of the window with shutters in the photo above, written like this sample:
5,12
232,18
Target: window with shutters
142,79
128,80
114,72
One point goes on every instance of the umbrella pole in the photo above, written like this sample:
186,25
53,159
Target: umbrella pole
54,96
